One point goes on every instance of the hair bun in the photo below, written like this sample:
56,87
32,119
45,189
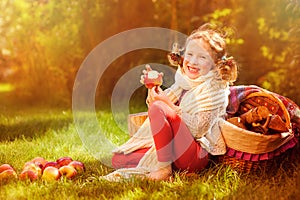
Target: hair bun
228,69
175,57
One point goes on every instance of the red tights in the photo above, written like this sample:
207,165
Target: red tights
173,141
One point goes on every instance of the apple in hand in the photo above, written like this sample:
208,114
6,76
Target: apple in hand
64,161
67,171
4,167
78,166
152,79
29,174
8,174
50,173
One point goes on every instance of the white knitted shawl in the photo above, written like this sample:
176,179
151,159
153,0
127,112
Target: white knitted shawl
204,93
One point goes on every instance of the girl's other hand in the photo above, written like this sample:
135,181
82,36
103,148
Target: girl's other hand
152,94
156,93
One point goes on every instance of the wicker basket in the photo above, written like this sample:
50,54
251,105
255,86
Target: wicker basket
135,121
245,166
244,141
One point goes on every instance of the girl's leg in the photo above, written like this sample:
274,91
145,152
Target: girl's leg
173,140
120,160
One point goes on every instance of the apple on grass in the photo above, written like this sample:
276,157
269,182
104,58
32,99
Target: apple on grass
64,161
4,167
39,160
37,167
78,166
8,174
29,174
50,173
67,171
52,164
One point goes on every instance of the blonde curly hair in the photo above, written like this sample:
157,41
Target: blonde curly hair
216,46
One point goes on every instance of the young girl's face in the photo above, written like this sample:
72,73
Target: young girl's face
197,60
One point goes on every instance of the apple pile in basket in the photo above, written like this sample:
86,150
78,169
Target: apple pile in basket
39,167
260,120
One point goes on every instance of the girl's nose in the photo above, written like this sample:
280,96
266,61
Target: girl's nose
193,60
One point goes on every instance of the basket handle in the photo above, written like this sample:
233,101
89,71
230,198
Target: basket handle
265,93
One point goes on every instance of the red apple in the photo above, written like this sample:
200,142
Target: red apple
64,161
78,166
5,167
52,164
40,160
152,79
67,171
40,165
37,167
8,175
50,173
29,174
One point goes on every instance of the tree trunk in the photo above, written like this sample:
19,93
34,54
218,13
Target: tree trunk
174,21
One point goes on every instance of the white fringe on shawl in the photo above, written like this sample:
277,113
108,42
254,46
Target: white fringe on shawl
204,94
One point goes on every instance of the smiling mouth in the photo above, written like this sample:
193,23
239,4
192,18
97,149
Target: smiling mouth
193,69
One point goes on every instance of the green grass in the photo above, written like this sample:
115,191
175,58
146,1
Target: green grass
28,133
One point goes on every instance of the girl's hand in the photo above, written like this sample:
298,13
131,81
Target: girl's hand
156,93
153,94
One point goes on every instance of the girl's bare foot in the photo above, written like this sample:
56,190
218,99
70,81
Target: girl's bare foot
162,174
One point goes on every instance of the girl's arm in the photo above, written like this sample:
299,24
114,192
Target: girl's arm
200,123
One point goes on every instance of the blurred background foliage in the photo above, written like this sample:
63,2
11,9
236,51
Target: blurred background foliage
44,42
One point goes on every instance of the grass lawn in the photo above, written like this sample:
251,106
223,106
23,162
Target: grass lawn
28,133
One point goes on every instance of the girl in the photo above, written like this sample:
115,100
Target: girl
182,128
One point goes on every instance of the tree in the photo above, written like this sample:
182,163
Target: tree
285,77
45,42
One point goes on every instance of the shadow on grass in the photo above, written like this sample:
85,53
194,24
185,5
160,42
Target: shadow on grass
31,126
